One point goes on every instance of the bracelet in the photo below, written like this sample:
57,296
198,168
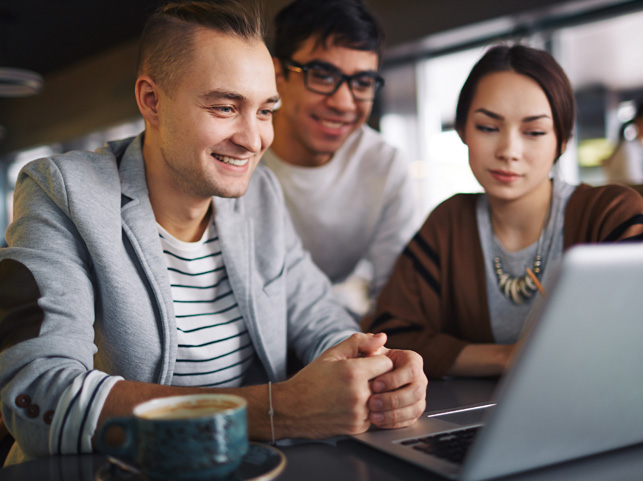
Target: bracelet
271,413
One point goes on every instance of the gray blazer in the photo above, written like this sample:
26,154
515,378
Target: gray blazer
87,297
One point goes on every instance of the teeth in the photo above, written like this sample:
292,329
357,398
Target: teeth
332,125
230,160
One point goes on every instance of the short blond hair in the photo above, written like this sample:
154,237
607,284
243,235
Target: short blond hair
165,47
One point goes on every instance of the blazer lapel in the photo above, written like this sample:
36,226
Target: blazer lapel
238,250
139,226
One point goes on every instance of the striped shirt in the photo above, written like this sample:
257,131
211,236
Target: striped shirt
214,347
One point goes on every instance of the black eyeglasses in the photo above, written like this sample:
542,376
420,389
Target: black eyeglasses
325,79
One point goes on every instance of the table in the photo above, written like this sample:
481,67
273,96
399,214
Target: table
343,459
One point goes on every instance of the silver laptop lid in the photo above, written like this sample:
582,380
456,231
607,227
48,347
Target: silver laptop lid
576,388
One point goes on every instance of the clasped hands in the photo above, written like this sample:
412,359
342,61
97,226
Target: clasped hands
350,386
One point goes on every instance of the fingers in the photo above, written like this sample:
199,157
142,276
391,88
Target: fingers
398,418
373,345
413,394
371,367
358,345
335,393
399,395
400,408
408,367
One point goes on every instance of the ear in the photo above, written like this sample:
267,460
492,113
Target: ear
461,135
147,97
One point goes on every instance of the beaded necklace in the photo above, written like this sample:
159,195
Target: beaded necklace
519,289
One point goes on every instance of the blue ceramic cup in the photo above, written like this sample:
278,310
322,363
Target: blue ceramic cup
192,437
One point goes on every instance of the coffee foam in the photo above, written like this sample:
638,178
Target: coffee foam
189,409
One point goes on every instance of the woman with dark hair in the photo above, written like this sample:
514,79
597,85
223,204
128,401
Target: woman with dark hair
463,287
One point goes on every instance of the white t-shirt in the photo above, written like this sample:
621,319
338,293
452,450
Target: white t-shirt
358,206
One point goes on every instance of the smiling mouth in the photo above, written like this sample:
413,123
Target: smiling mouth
331,124
229,160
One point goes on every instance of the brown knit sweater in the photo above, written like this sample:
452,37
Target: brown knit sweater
435,302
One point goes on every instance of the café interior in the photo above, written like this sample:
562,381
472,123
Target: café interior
67,71
66,79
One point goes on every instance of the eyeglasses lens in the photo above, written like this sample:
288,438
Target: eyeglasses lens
325,81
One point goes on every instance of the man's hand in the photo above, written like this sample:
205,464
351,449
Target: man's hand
350,386
399,396
330,396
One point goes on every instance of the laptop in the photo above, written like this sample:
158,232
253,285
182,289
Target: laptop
573,390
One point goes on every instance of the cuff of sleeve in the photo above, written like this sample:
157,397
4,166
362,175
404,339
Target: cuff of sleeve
77,413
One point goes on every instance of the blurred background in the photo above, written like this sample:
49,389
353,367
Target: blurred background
67,73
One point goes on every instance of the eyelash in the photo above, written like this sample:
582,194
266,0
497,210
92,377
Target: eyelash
530,133
228,109
224,109
484,128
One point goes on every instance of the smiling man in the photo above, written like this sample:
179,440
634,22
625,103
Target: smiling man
348,191
167,264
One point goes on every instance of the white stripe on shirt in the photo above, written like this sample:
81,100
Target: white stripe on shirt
214,347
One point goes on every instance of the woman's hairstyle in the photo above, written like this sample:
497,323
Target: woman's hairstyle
166,43
539,66
350,23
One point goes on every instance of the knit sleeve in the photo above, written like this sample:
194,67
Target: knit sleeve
421,307
609,213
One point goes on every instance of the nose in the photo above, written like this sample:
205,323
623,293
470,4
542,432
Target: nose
509,146
342,99
248,134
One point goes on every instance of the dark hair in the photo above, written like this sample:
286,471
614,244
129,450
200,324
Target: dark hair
165,46
536,64
350,23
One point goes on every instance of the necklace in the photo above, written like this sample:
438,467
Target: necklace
519,289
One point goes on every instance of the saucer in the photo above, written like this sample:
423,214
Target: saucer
261,463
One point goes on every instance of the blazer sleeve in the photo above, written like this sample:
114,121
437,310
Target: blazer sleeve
51,395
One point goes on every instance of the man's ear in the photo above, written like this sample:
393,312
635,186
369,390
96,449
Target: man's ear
147,97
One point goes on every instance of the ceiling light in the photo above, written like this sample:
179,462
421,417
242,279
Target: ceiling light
15,82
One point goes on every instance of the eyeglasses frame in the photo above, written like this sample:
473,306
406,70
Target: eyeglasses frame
294,66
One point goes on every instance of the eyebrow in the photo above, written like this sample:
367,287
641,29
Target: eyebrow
219,94
329,66
496,116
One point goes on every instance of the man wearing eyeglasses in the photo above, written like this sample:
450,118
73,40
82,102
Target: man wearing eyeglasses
166,264
347,190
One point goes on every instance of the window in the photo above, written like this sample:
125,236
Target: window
420,97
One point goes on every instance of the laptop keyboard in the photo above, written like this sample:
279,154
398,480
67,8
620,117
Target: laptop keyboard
452,445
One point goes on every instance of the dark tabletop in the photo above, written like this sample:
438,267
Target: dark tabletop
343,459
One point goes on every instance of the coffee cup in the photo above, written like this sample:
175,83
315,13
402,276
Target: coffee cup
190,437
